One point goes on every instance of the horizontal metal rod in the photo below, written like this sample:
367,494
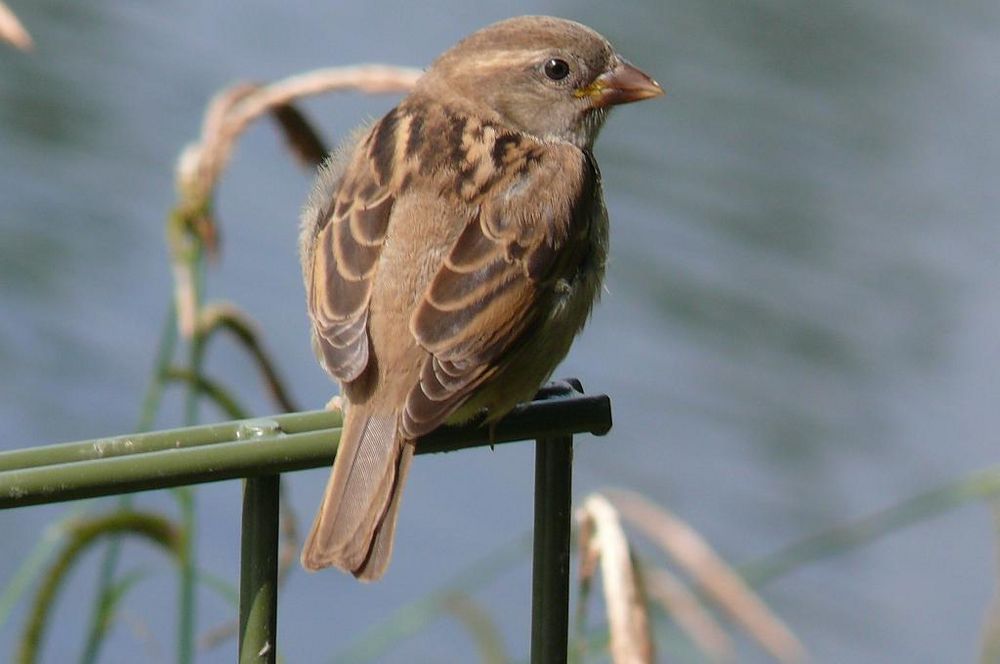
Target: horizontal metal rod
266,446
165,439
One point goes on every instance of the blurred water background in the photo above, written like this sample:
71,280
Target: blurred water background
800,325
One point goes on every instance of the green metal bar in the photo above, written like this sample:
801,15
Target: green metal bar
259,571
166,439
266,447
158,470
261,449
289,423
550,562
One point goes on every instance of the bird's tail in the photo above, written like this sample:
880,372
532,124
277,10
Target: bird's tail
356,521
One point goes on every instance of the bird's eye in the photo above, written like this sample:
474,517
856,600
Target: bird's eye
556,69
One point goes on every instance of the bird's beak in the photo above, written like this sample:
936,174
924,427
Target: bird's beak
622,84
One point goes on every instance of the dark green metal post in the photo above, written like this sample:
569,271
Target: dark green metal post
550,564
259,571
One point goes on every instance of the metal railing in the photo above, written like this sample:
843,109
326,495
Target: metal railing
260,449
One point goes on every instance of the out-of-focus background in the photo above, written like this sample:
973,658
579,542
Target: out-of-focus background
800,325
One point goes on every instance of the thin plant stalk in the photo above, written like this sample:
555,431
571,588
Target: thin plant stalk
975,486
81,535
187,605
99,618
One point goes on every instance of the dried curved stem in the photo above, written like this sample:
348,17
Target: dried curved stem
603,540
232,111
720,581
227,316
192,226
11,30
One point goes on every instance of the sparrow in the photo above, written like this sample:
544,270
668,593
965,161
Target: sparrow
451,252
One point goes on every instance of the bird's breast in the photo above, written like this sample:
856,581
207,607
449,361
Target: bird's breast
568,302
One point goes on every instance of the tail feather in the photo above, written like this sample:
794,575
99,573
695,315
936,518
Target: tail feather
377,562
354,526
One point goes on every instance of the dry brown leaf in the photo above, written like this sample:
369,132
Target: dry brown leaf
12,31
304,142
628,621
720,581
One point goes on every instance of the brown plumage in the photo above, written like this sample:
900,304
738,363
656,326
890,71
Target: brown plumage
451,252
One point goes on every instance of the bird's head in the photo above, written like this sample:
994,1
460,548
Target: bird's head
551,78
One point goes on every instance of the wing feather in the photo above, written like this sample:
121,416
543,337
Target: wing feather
527,230
498,279
345,251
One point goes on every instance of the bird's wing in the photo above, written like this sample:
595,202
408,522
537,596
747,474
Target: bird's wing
497,282
349,230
